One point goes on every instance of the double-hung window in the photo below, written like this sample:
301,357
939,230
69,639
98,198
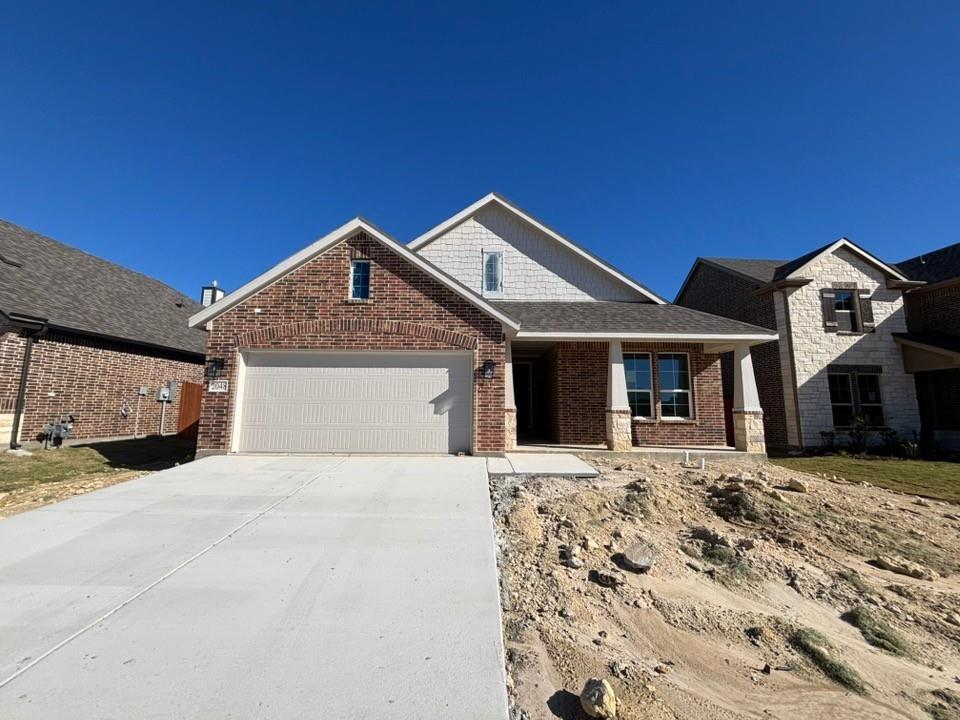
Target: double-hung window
636,367
846,310
360,280
855,394
674,374
492,273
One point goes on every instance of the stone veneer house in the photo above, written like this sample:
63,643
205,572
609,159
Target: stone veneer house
838,312
488,329
931,347
82,335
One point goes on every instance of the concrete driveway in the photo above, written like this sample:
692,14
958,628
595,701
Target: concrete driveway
258,587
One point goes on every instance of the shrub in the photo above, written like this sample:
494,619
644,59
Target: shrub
876,632
817,649
859,434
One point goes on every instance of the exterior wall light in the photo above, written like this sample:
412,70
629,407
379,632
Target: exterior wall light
488,366
214,366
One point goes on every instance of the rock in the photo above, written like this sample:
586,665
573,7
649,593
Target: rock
566,613
639,557
619,669
902,566
746,543
921,502
695,566
608,578
953,618
797,485
589,543
573,562
661,668
598,699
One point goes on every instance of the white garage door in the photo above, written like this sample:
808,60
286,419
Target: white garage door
364,402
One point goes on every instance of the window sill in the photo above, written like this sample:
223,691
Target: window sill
664,421
359,301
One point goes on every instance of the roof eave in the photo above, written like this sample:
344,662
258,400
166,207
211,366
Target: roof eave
788,282
856,249
734,338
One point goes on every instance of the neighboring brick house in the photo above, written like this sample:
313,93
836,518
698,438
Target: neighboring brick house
81,335
931,347
837,312
488,328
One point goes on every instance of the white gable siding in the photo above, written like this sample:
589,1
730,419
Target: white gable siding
815,349
535,267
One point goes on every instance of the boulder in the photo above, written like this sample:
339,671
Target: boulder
798,485
608,578
639,557
598,699
902,566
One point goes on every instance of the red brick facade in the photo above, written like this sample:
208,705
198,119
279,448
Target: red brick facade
707,286
309,309
934,311
97,379
580,381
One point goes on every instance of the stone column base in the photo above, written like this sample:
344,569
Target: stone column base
619,435
748,431
6,429
510,429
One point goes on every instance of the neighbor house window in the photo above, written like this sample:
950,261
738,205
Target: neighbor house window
855,394
674,372
360,280
639,384
492,272
846,310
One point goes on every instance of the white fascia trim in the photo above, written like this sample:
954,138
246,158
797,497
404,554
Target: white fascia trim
751,338
315,248
846,244
471,210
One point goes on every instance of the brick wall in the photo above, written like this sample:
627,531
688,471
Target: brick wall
722,293
580,378
93,378
309,309
934,311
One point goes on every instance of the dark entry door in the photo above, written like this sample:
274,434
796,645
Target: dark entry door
523,396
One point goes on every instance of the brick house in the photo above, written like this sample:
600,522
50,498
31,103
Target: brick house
838,312
81,335
489,329
931,346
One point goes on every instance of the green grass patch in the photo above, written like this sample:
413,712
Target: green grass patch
876,632
74,462
817,649
720,555
940,480
853,578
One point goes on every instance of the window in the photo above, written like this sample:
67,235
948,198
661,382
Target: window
492,272
846,310
639,384
360,280
855,394
674,385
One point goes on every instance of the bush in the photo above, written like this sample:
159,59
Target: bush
859,434
876,632
817,649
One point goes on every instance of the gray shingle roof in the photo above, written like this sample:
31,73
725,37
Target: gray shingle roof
933,267
761,270
605,316
83,293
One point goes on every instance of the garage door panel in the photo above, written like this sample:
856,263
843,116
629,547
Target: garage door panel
364,402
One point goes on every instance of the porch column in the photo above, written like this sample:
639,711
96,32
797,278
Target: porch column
619,436
509,403
747,413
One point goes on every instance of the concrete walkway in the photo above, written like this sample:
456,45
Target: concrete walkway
555,464
257,587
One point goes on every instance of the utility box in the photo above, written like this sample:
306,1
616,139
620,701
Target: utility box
168,392
144,391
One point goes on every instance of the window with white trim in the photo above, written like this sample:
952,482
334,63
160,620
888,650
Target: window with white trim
492,273
636,367
673,370
360,280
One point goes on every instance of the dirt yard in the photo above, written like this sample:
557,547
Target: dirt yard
766,597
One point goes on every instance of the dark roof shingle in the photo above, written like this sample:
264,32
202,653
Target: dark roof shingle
607,316
77,291
933,267
760,270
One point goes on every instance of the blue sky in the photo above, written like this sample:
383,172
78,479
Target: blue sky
200,140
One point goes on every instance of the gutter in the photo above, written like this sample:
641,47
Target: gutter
34,327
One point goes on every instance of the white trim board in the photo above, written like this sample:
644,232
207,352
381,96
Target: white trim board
492,198
327,241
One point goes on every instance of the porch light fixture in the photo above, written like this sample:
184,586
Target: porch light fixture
488,366
214,366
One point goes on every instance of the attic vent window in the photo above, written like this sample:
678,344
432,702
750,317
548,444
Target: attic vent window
492,273
360,280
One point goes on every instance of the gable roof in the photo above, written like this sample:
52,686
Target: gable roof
934,267
327,241
75,291
760,270
498,200
603,318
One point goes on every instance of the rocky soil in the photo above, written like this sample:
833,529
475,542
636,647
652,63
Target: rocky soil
34,496
728,593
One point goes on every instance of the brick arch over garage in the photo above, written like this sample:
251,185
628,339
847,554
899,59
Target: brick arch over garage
309,332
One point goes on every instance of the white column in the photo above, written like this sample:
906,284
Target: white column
747,415
616,379
745,396
619,435
508,399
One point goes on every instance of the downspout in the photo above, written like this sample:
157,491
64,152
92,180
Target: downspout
22,391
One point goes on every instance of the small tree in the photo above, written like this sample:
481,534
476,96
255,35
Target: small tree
859,434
